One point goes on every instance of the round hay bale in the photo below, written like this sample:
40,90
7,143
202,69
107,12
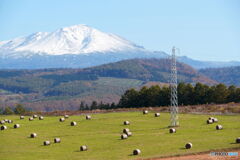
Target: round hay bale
209,121
2,122
6,120
46,143
136,151
40,117
88,117
83,148
16,126
10,121
57,140
215,120
129,134
219,127
21,117
3,127
172,130
125,130
124,136
126,123
157,114
73,123
62,119
188,145
30,118
35,116
66,116
145,112
33,135
238,140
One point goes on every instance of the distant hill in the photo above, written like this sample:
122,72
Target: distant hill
227,75
148,70
206,64
49,87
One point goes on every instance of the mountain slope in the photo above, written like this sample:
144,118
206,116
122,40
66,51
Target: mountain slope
227,75
206,64
148,70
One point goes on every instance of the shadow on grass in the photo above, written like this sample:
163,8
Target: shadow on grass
80,151
233,143
182,148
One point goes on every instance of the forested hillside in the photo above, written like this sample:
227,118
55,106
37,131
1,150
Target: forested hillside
101,83
227,75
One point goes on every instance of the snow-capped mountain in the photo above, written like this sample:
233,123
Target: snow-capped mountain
74,46
78,46
78,39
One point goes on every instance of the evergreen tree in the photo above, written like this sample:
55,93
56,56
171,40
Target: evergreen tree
82,105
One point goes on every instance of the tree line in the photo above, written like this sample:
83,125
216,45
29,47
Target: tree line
19,109
188,94
155,96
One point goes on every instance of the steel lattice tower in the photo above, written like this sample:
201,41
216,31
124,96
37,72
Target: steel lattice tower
173,87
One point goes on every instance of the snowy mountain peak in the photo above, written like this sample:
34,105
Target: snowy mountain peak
77,39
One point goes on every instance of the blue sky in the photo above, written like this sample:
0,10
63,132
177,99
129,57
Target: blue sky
203,29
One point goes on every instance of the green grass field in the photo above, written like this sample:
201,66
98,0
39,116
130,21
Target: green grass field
102,136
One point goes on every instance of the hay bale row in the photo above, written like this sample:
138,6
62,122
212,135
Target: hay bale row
33,135
3,127
136,151
88,117
83,148
73,123
21,117
61,119
6,121
126,123
16,126
56,140
188,145
172,130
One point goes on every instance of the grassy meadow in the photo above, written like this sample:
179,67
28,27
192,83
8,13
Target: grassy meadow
102,136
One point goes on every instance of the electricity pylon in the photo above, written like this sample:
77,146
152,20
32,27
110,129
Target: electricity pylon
173,88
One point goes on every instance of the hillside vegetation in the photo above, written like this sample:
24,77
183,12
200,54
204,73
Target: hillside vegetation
97,82
227,75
